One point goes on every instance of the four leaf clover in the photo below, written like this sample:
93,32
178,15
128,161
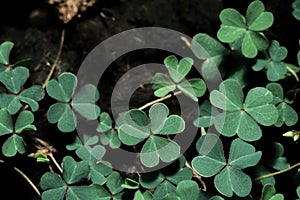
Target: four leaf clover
230,178
239,117
137,127
83,102
192,88
246,30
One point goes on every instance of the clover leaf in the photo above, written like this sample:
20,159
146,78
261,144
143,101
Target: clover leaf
276,69
296,9
138,195
15,142
162,84
187,189
235,27
239,117
114,184
92,153
276,159
212,52
298,191
30,96
286,113
230,178
207,114
137,127
109,134
175,173
14,79
56,188
5,49
269,193
82,102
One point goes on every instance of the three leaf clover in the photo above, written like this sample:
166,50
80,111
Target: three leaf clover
109,133
56,188
230,178
246,30
137,127
91,152
286,114
192,88
276,69
239,117
15,142
82,102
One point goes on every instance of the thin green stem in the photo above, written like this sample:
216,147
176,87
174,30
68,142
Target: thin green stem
159,100
26,178
278,172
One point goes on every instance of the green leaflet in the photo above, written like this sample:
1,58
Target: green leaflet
5,49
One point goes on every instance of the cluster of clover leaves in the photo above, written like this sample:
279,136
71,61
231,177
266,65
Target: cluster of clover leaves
236,111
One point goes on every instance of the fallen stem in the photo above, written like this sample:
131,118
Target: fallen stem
26,178
62,38
159,100
197,176
55,162
293,73
278,172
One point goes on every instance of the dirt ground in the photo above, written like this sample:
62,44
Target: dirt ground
35,28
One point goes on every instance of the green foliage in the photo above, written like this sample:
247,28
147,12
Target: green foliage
247,31
137,127
276,69
269,193
5,49
192,88
15,142
82,102
230,178
239,117
286,113
296,7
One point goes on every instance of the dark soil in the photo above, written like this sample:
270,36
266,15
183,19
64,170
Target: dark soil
35,29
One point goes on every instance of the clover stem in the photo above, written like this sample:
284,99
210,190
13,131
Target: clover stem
197,176
159,100
278,172
26,178
55,162
293,73
62,38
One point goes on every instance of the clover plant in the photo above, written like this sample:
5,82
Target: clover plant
242,116
192,88
246,31
82,102
249,116
137,127
230,178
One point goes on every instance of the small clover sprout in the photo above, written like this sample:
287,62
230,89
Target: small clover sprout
162,85
246,31
15,142
83,102
137,127
229,177
239,117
